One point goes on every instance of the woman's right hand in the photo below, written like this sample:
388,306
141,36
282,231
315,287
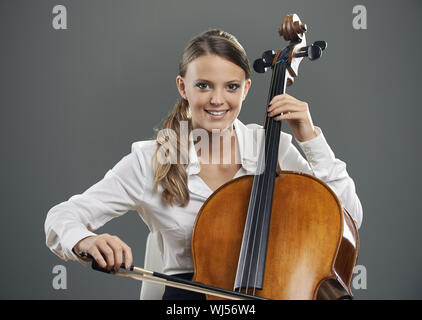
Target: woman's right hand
107,250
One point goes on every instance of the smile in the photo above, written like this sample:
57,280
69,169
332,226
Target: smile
217,113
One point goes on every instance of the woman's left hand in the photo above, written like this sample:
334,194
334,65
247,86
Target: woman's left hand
296,113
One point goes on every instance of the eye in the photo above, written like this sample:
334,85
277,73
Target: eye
233,86
201,85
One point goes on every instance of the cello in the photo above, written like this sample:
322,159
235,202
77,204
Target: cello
285,234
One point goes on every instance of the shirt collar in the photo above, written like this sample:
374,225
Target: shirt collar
248,148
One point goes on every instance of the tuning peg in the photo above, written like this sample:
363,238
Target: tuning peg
314,52
268,57
261,65
321,44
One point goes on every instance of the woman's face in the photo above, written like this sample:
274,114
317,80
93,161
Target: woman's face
213,84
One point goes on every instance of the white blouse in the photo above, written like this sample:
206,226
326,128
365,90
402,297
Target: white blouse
129,186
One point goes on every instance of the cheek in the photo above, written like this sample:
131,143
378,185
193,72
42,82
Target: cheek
196,99
235,100
198,103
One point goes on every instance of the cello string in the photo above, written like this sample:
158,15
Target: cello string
249,227
273,155
262,190
254,195
252,208
247,234
268,179
256,215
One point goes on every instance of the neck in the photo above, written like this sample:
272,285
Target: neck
220,149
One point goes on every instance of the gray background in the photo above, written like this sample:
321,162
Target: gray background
72,102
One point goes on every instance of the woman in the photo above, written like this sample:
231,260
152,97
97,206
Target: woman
168,179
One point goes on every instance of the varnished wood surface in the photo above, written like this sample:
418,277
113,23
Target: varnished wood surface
308,243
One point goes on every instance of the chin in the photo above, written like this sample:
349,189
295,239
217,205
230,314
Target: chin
218,126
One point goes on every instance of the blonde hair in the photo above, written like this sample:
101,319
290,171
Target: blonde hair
173,176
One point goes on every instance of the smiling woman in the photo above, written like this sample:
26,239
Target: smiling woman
213,82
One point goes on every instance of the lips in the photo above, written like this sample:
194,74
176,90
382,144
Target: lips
216,114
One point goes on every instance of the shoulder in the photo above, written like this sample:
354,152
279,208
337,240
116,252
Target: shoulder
144,146
144,151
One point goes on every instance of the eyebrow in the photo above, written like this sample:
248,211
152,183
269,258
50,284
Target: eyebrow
204,80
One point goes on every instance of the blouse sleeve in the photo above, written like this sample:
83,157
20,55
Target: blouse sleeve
322,163
117,193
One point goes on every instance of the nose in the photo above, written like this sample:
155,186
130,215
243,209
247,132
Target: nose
217,98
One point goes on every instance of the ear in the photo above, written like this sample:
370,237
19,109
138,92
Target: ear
181,86
246,88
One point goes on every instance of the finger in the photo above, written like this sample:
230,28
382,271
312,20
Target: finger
95,253
286,116
290,116
286,102
128,256
116,246
283,108
278,97
108,254
127,252
281,97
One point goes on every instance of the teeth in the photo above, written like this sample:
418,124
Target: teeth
216,113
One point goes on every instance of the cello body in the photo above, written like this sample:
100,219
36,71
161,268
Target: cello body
312,245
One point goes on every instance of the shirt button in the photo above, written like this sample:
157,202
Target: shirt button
313,163
310,156
306,149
